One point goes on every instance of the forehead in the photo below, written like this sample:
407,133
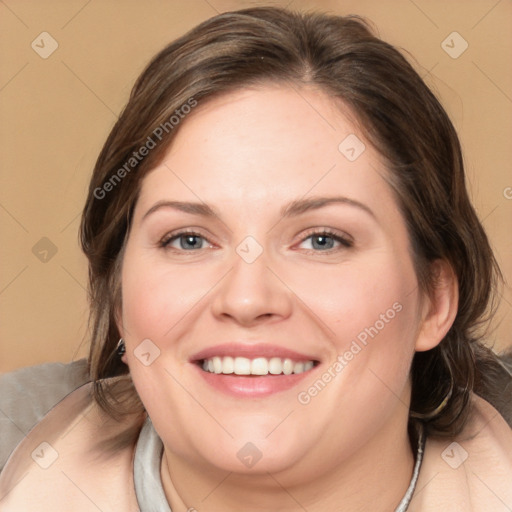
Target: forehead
268,123
267,145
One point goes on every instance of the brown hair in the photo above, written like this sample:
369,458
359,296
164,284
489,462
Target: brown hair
398,114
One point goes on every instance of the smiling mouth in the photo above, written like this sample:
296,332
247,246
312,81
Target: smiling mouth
259,366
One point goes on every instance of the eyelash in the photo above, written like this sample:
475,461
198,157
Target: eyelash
345,242
167,239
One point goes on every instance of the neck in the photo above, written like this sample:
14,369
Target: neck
378,475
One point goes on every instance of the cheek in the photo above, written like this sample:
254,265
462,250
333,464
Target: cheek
362,300
370,317
157,296
155,301
372,321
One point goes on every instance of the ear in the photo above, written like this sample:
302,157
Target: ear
440,308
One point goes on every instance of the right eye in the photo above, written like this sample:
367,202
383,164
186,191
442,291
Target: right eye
184,241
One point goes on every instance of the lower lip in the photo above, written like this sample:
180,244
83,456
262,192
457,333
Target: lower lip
252,386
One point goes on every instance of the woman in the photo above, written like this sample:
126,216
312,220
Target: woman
287,278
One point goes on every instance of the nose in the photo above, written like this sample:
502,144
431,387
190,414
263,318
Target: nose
252,293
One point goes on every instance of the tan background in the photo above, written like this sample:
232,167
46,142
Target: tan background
56,112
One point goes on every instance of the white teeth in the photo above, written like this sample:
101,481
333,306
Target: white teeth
242,366
228,365
275,366
258,366
288,367
217,365
298,367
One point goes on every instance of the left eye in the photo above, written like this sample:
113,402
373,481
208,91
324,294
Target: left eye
325,241
186,241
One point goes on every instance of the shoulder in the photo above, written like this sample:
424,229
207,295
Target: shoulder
27,394
472,471
62,463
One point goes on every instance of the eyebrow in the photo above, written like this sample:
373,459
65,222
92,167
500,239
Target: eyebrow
292,209
201,209
303,205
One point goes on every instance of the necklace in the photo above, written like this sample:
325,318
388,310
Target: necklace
406,500
148,484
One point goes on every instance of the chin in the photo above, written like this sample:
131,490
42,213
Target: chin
255,454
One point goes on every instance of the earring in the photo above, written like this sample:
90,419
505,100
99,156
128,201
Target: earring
121,347
432,414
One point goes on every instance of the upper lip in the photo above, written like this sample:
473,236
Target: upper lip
250,351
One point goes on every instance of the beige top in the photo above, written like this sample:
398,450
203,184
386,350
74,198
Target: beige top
62,463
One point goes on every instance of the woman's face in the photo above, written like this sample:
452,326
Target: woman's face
268,242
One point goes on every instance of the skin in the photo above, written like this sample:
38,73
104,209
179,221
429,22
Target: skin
248,155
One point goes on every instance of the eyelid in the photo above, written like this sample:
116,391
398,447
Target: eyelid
168,237
337,235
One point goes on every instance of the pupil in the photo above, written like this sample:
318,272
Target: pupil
323,241
190,242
